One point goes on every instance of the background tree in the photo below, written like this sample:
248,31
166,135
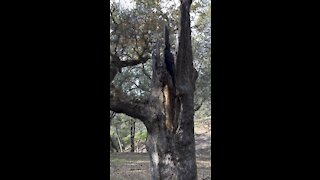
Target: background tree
132,133
113,145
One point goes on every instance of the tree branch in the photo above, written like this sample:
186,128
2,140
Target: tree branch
199,105
120,103
139,87
116,64
145,72
112,115
134,62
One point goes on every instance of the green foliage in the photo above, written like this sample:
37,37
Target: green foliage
201,41
127,139
142,135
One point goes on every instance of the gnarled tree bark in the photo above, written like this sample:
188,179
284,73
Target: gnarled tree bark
169,113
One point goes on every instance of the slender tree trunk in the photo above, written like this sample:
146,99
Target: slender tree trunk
119,139
112,115
137,147
132,133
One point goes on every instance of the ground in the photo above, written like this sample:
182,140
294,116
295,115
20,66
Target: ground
127,165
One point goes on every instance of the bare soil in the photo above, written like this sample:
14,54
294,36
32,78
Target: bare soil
127,165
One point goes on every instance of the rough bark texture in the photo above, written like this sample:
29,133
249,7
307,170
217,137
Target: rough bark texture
169,114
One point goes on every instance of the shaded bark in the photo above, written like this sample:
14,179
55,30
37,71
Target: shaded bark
169,113
120,103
